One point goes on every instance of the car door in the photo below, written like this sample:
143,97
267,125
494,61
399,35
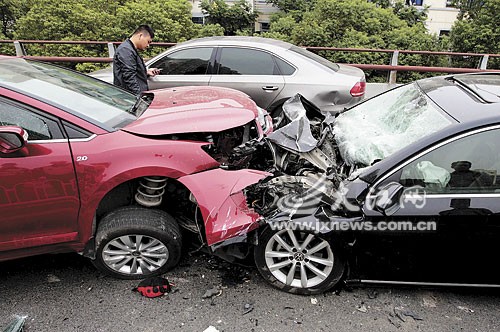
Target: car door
252,71
190,66
39,200
451,205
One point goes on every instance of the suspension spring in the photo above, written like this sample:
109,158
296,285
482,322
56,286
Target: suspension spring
150,191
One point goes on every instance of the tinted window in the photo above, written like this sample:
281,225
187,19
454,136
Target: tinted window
193,61
316,58
467,165
36,126
284,67
244,61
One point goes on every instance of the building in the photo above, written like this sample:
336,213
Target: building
441,15
261,6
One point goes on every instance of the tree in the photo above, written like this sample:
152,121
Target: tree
468,8
359,24
293,5
233,18
411,14
101,20
478,33
10,11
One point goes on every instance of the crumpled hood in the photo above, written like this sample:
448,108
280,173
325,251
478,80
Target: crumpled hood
194,109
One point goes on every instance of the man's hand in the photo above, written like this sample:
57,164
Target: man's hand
153,71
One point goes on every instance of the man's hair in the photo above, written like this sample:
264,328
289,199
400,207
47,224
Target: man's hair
144,28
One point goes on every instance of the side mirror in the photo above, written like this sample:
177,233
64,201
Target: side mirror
387,200
12,139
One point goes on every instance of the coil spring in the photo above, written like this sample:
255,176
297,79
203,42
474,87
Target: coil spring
150,191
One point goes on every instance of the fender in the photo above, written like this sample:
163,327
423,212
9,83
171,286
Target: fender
219,194
96,176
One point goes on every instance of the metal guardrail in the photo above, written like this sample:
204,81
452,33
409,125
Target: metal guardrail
392,68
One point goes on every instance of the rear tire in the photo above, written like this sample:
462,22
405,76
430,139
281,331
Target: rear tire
135,242
298,262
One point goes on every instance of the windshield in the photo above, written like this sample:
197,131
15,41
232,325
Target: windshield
385,124
95,101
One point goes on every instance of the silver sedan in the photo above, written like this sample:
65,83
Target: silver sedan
268,70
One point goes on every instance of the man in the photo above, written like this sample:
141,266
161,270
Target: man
129,70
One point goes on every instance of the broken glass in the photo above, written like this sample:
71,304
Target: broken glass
385,124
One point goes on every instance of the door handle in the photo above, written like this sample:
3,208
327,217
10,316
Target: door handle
270,88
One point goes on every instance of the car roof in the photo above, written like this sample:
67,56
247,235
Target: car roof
465,97
237,40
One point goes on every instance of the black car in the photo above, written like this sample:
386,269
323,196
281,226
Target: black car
411,193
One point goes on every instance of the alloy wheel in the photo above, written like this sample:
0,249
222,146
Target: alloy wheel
135,254
299,259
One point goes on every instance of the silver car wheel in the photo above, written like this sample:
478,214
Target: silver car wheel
135,254
299,259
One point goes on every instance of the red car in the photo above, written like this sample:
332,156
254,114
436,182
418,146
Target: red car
87,167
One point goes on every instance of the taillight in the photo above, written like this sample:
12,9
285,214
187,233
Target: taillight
358,89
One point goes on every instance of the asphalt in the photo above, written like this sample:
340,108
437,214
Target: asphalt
65,293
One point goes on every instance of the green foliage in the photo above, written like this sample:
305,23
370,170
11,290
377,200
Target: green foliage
283,25
382,3
410,14
469,8
380,24
233,18
170,19
478,34
10,12
209,30
362,24
101,20
293,5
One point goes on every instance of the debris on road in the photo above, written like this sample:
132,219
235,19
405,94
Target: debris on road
16,325
153,287
51,278
248,307
210,329
401,313
429,301
314,300
372,294
392,319
465,308
361,308
211,293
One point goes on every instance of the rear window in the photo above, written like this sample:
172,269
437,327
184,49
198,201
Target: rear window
316,58
486,86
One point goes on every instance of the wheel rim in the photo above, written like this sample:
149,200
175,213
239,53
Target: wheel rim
299,259
135,254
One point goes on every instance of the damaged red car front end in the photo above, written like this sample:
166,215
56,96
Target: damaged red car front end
119,179
219,195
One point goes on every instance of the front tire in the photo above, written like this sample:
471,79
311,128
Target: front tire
298,262
136,242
